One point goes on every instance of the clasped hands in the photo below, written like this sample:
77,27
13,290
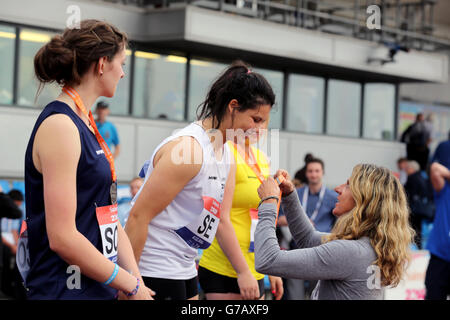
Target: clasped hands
270,187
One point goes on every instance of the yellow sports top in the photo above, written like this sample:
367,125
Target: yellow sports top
245,198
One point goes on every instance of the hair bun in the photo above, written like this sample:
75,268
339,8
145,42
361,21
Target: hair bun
68,56
54,61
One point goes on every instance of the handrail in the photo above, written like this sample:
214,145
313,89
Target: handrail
301,15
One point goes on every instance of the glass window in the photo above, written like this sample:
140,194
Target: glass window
7,40
305,104
159,86
201,77
343,112
30,42
379,111
275,79
119,103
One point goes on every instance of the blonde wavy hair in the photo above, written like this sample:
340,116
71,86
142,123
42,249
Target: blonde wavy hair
381,213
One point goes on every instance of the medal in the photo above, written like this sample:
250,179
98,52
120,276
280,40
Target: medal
113,192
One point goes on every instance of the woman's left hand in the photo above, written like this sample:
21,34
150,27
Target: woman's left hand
276,286
269,188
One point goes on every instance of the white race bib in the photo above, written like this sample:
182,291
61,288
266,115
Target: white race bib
107,220
22,254
200,233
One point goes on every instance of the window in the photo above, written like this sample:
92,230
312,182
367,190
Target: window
30,42
7,40
275,78
201,77
379,111
343,111
119,103
159,86
305,104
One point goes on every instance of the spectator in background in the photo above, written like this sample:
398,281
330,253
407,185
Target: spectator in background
8,209
442,153
124,208
417,137
11,281
10,227
420,199
437,279
429,119
401,165
300,176
317,200
106,128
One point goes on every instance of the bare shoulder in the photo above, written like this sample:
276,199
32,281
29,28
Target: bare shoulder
182,156
57,124
185,150
57,137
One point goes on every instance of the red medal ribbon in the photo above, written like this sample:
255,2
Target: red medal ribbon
257,170
79,103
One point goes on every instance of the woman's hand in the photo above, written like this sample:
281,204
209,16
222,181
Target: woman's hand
286,186
143,293
248,285
269,188
276,286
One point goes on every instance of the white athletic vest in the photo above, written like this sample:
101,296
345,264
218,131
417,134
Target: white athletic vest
190,221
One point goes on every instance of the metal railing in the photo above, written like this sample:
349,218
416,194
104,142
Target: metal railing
403,23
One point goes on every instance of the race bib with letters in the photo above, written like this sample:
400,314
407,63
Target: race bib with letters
200,233
108,220
22,254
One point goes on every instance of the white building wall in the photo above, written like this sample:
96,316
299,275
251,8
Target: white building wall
139,137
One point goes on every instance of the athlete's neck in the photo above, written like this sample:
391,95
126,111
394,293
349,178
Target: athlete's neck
217,136
88,94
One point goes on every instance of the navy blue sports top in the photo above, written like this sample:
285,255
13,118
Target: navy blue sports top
49,274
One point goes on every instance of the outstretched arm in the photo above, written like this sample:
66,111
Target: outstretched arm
332,260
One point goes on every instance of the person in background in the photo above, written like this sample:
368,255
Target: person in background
300,176
418,191
124,208
417,137
107,129
437,278
442,153
317,200
401,165
11,283
10,227
8,209
429,119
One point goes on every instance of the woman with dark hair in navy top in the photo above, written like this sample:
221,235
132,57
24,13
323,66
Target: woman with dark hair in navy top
71,245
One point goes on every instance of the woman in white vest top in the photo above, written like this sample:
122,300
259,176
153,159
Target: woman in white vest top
189,183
